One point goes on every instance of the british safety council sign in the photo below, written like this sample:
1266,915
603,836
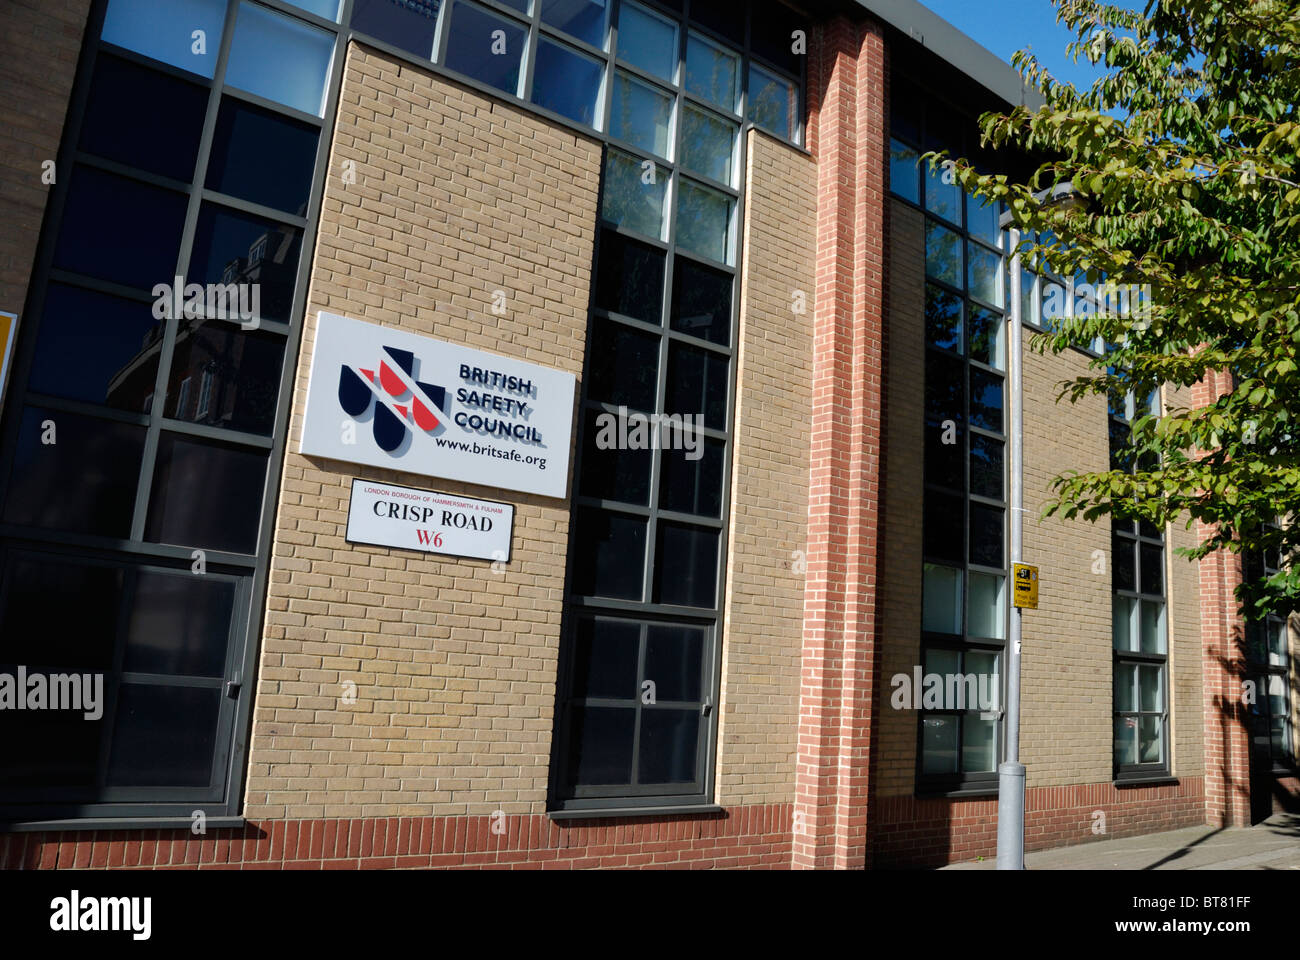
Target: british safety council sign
390,516
390,398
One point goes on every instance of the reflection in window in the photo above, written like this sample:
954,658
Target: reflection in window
566,82
408,24
164,30
486,47
280,58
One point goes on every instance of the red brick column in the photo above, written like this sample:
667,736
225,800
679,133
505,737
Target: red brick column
1227,736
847,134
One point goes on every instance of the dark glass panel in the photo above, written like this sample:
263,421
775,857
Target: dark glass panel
945,378
584,19
470,47
238,248
986,467
986,533
942,318
611,554
566,82
206,494
126,108
904,175
97,348
39,628
726,20
692,485
697,383
985,400
1153,569
613,473
408,24
623,369
686,566
1123,563
600,745
669,744
222,376
83,482
944,520
180,625
120,230
771,35
164,736
944,461
48,749
674,661
605,659
701,301
986,336
630,278
262,156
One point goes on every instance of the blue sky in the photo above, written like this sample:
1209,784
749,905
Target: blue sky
1005,26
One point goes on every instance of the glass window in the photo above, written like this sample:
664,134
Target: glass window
485,47
942,192
904,175
612,558
704,221
258,256
941,599
985,400
74,473
126,107
942,318
987,615
262,156
239,372
773,103
630,277
669,740
627,374
986,470
408,24
708,144
329,9
39,626
943,254
280,58
120,230
634,192
606,655
609,472
691,480
701,301
772,36
985,274
939,744
641,114
97,349
690,578
726,20
648,41
986,336
986,531
983,220
942,524
584,19
712,72
206,494
164,735
697,384
183,33
179,625
566,82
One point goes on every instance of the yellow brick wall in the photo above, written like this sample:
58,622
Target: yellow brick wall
456,195
763,625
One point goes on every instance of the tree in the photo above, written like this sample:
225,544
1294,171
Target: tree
1183,156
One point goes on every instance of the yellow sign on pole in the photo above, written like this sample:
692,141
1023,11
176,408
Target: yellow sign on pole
1025,592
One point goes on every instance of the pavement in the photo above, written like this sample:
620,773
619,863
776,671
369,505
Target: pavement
1273,844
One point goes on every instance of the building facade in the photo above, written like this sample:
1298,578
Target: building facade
709,220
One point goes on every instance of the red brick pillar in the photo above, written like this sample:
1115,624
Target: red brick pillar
1227,732
847,134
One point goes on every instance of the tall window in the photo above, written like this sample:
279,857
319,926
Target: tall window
635,719
964,576
1268,656
150,509
1140,671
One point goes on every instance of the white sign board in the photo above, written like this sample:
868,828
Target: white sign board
391,516
389,398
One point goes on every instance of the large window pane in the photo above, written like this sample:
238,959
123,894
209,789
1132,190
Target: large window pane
941,599
712,72
985,400
128,104
708,143
42,630
647,40
669,743
982,220
206,495
1152,626
772,103
904,177
1126,749
943,199
986,336
329,9
942,525
476,49
674,660
584,19
608,472
697,383
771,35
943,254
251,252
600,745
986,467
1150,688
82,479
1152,564
605,659
985,268
701,304
687,565
179,625
120,230
641,114
566,82
166,30
1151,741
96,348
262,156
281,58
627,372
979,744
942,318
634,194
986,533
691,480
222,376
611,554
987,615
630,277
704,221
939,745
164,736
1122,632
408,24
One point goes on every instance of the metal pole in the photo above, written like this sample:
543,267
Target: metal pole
1011,772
